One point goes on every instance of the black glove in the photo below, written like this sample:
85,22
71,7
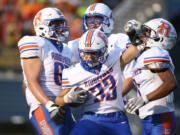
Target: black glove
136,38
133,30
57,113
131,27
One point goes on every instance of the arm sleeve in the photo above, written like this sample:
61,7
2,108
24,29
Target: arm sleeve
128,69
157,59
73,46
29,46
65,79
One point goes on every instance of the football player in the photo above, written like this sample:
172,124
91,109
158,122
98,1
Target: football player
98,73
153,76
43,57
100,16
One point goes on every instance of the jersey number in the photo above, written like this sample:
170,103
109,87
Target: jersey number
107,83
58,68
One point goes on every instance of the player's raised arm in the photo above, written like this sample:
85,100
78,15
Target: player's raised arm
129,55
137,39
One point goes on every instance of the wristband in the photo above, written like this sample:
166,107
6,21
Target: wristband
146,100
68,96
140,47
48,105
66,99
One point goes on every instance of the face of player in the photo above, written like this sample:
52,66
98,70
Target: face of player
58,26
91,59
145,33
94,22
87,56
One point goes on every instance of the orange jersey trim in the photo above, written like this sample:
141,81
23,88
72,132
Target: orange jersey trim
28,46
65,82
156,60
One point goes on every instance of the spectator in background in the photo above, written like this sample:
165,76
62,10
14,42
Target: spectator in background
16,15
9,10
2,28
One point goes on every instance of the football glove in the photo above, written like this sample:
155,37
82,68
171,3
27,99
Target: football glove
76,96
133,30
57,113
131,26
134,104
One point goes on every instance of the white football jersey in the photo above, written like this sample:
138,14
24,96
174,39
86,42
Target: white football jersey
73,45
114,40
104,88
54,60
147,81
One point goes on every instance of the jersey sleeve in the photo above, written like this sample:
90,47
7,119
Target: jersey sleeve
128,69
73,46
123,41
157,58
29,46
73,76
66,76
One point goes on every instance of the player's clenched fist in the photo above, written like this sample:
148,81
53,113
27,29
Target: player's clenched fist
76,95
132,25
57,113
135,33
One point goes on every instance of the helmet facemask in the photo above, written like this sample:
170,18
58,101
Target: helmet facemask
99,21
93,48
59,30
98,57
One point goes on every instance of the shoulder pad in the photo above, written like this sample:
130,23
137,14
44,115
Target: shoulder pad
157,58
73,43
29,46
120,39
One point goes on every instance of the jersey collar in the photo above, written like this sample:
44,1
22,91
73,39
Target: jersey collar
58,47
95,70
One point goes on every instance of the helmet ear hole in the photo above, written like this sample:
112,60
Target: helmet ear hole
156,39
162,39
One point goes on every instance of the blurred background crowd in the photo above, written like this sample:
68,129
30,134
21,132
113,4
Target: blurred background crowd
16,21
16,17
